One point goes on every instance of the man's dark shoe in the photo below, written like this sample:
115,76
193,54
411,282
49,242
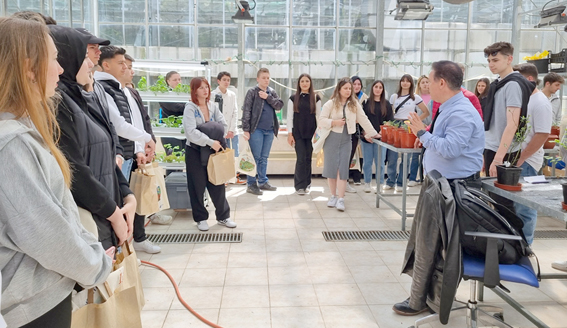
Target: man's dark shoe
403,308
268,186
253,189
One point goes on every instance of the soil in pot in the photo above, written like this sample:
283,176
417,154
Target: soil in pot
508,175
408,139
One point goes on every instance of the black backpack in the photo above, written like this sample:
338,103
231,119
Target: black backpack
478,212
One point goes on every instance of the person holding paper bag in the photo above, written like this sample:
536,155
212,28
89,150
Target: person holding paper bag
44,249
199,111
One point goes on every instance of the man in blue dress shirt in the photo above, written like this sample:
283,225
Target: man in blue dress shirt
455,141
453,145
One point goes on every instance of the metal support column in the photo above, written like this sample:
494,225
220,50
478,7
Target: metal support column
71,13
467,46
241,69
516,30
380,17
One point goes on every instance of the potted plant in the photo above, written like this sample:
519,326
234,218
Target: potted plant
408,139
398,135
508,174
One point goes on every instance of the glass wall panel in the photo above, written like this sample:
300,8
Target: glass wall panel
118,11
357,44
354,13
273,12
216,11
133,35
21,5
402,45
313,44
444,45
446,12
266,43
171,11
217,42
171,36
314,12
492,13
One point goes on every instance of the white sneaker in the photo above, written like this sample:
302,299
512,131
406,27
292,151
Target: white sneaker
386,187
332,201
341,204
349,188
399,188
203,225
147,247
160,219
367,188
412,183
227,223
559,265
357,183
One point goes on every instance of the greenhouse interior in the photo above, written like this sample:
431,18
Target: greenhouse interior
330,203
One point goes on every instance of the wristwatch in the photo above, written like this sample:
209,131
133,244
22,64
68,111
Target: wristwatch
420,133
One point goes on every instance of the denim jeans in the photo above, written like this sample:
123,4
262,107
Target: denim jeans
527,214
392,160
127,168
260,145
370,155
233,144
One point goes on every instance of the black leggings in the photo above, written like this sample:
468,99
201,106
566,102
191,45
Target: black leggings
58,317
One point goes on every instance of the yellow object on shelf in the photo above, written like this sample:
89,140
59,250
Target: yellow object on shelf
538,55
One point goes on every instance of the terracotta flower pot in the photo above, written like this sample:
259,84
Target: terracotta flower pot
550,143
384,132
398,138
390,134
408,140
555,130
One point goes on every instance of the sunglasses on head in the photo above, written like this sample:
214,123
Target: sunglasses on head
494,53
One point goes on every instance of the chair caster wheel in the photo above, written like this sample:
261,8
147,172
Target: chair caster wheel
499,316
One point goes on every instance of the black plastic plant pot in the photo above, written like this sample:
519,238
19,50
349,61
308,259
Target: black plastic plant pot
509,176
564,185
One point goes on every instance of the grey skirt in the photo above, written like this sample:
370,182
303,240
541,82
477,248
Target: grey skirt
337,149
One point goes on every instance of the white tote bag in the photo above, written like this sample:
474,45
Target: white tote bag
245,162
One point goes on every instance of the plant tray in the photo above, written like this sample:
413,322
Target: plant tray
517,187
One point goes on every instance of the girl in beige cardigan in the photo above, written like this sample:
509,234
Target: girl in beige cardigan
340,115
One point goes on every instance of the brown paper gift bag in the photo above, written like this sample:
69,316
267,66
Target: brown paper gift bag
159,173
119,311
221,167
143,185
131,274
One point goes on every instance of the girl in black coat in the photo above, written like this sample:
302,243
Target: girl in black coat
86,140
303,108
378,110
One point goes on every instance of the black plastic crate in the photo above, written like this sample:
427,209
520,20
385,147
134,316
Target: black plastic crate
558,62
542,65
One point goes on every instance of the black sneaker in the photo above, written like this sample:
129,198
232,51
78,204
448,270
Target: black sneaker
253,189
268,186
403,308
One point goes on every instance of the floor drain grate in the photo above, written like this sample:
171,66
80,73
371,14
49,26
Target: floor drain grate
404,235
365,235
550,234
184,238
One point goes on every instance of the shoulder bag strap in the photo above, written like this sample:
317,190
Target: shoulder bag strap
400,105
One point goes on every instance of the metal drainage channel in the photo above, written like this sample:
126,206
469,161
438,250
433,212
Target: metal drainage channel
365,235
183,238
404,235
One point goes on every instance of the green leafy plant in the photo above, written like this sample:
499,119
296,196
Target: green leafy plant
143,84
160,85
171,155
519,138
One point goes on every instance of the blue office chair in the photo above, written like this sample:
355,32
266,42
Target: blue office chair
474,270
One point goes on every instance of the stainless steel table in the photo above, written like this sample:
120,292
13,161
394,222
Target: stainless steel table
382,196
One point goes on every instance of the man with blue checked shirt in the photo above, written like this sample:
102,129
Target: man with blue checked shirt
453,146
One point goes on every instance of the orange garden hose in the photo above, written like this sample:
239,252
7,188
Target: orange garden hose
181,298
